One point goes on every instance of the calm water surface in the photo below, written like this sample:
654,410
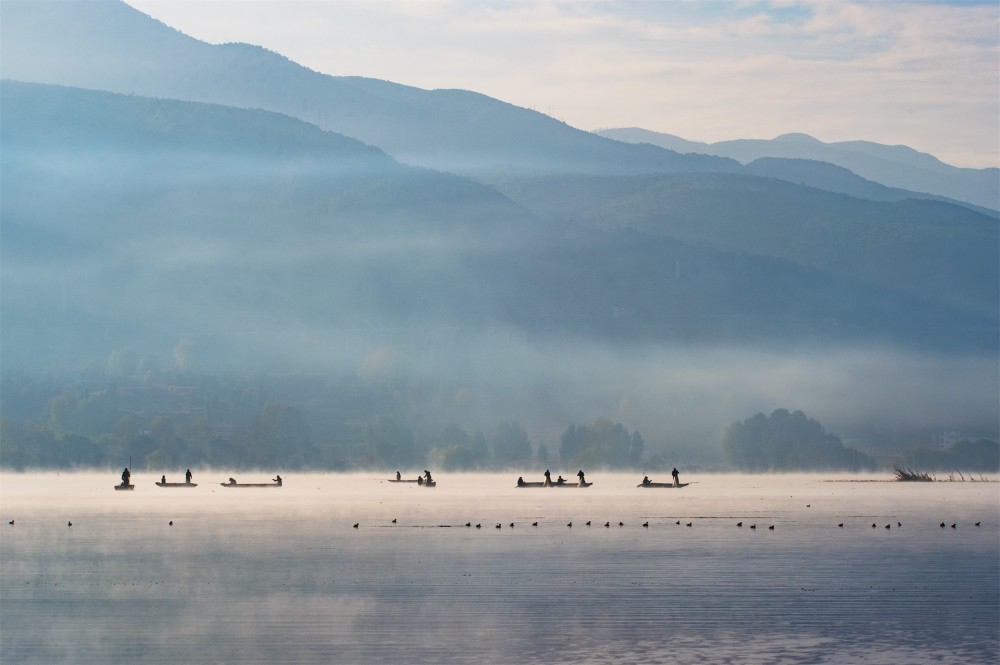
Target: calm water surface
282,575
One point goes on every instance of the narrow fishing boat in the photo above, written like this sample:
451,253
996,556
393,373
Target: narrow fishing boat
560,482
249,484
232,483
160,483
664,485
124,488
521,484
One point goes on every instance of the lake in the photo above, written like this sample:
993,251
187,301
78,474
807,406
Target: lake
284,576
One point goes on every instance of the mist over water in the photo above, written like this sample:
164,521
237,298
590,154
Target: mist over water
282,575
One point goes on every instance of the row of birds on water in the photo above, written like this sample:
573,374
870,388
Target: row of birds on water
645,525
608,524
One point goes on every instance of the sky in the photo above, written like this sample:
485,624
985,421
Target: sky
922,74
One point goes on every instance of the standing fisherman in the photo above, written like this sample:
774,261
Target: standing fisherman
125,477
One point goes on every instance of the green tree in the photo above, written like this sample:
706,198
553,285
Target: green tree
604,443
788,441
510,444
388,443
459,451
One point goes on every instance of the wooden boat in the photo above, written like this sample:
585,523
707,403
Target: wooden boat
416,481
124,488
241,485
542,484
162,484
663,485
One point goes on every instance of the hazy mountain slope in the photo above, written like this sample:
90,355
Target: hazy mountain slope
277,244
942,252
893,166
832,178
108,45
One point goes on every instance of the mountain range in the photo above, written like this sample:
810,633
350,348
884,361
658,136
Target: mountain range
227,192
897,167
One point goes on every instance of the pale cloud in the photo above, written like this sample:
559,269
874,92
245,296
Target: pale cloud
891,72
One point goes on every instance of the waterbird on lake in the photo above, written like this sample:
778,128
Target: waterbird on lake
621,524
942,525
479,526
888,526
952,526
588,523
771,527
356,525
12,521
534,524
899,524
841,525
739,524
607,524
511,525
498,525
468,524
394,520
645,524
873,525
69,524
170,523
677,522
570,525
753,526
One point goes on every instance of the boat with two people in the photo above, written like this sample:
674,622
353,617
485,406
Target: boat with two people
676,484
187,481
277,482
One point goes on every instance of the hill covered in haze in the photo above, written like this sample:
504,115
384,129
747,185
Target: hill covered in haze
893,166
130,221
215,209
108,45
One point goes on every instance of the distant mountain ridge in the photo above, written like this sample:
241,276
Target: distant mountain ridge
108,45
276,240
228,180
893,166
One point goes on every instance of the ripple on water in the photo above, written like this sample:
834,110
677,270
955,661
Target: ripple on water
285,578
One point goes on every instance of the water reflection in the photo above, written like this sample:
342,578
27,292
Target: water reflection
282,575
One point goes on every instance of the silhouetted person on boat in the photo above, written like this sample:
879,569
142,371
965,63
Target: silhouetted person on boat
188,477
520,481
427,477
125,477
399,476
278,480
232,481
420,480
163,479
579,474
646,480
548,478
560,481
677,477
